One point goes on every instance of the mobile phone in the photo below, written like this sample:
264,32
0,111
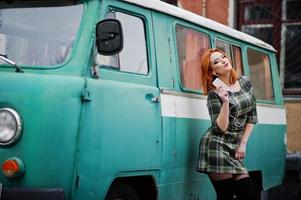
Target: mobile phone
219,83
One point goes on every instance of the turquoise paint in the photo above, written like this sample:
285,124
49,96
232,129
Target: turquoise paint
82,146
265,152
114,137
121,127
50,118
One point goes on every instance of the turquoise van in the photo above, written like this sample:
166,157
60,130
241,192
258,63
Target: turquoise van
101,99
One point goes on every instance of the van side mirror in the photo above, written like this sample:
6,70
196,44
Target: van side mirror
109,37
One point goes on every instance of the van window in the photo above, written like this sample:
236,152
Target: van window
234,52
191,46
260,74
133,57
40,34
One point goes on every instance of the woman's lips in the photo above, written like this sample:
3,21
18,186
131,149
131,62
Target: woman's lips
226,65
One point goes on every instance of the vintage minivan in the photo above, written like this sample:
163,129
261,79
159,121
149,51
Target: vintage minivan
102,99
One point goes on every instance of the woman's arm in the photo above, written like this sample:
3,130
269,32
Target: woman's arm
223,117
241,151
247,132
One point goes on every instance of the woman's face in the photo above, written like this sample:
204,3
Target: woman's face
220,64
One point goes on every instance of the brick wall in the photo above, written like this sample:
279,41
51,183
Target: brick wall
217,10
193,6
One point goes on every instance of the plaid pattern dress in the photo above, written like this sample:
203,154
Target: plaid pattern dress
217,147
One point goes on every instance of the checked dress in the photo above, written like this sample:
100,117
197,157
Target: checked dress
217,147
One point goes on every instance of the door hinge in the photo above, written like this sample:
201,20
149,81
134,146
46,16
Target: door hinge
94,71
86,95
77,181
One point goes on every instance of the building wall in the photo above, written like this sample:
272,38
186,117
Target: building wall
293,113
193,6
217,10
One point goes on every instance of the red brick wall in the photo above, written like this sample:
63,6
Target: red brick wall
217,10
192,5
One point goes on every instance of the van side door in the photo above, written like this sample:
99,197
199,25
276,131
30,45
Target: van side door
121,124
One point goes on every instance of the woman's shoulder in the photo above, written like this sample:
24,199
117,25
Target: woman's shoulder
245,81
244,78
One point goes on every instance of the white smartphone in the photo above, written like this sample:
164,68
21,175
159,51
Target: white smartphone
219,83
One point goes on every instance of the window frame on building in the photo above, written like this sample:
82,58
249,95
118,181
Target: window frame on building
279,23
272,22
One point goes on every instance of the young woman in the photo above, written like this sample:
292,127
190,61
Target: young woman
232,109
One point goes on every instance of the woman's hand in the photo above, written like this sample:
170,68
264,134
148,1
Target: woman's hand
223,94
241,151
223,117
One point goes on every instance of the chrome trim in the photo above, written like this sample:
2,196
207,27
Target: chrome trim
19,126
182,94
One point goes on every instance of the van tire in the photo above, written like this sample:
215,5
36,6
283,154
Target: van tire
122,192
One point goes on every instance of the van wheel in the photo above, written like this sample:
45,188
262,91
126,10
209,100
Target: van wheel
122,192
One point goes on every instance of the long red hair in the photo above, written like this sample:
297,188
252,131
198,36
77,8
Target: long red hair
207,72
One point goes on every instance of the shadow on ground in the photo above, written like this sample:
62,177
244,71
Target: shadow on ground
291,186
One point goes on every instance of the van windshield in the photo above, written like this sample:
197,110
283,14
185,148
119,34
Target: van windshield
38,35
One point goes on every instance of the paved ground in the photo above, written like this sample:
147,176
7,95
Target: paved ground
291,187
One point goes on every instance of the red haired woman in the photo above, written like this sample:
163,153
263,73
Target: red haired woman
232,109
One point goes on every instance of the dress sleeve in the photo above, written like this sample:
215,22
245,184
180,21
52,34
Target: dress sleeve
252,115
214,105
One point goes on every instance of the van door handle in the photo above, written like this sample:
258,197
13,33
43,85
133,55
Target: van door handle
152,98
155,99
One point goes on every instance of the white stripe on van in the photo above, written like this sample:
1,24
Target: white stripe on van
195,108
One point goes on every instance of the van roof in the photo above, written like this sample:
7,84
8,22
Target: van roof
197,19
